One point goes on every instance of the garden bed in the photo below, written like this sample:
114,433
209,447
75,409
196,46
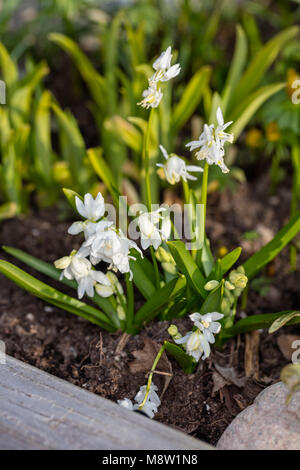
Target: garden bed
201,404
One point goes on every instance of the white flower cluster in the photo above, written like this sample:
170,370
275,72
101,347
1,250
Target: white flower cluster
197,342
150,233
151,405
163,72
211,142
103,242
175,168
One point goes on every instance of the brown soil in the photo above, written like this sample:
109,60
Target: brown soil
81,353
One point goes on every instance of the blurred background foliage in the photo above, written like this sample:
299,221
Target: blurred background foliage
74,72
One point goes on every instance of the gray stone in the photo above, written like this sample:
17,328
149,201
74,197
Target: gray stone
268,424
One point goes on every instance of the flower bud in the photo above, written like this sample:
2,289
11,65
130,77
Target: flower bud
173,330
121,312
169,268
238,279
229,285
210,285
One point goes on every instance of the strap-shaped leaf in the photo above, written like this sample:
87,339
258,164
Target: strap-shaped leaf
190,99
71,198
187,266
103,171
53,296
262,257
185,361
50,270
283,320
261,62
140,278
213,300
243,112
94,80
236,67
158,301
255,322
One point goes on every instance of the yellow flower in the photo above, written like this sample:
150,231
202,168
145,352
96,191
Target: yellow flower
254,138
272,132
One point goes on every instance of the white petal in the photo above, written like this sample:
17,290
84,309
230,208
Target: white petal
220,118
81,207
76,228
195,317
164,152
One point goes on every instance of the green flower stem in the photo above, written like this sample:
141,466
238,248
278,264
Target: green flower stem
295,199
204,196
154,365
186,191
146,145
130,302
155,265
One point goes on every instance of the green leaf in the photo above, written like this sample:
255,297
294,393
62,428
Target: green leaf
158,301
187,266
8,67
207,259
230,259
42,139
283,320
125,131
50,270
236,67
140,278
21,96
213,300
8,210
262,257
94,80
190,99
103,171
53,296
242,114
71,195
255,322
261,62
73,146
185,361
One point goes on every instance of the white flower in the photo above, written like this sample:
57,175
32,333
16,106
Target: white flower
151,405
75,265
152,402
219,132
93,279
152,97
115,286
113,247
207,324
211,143
126,403
149,231
163,72
176,168
196,345
91,210
163,69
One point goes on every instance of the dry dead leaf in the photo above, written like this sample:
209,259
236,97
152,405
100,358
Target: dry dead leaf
251,357
144,359
285,345
219,383
230,375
